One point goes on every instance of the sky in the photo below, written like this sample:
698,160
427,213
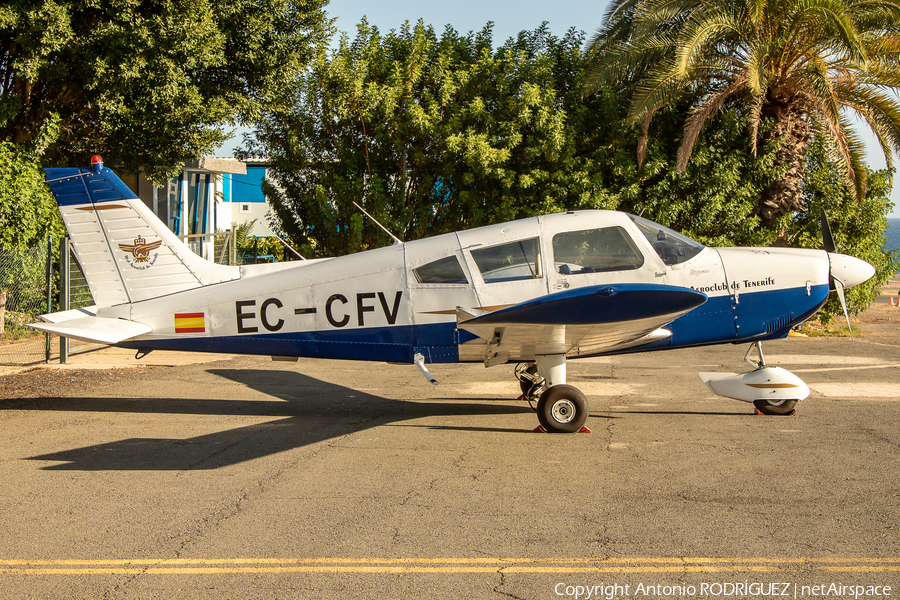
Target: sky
509,17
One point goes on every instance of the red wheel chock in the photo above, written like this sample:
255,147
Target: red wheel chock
540,429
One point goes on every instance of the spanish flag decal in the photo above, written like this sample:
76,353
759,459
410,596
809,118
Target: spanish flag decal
190,323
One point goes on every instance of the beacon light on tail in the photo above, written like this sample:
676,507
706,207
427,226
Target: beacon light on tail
537,291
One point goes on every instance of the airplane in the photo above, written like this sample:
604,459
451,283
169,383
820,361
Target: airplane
537,291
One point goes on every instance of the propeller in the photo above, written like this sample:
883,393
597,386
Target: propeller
827,239
830,247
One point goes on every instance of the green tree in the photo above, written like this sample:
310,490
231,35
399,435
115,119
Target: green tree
27,208
430,134
27,214
801,68
145,82
433,134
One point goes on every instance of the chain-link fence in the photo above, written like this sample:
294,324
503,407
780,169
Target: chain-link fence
217,247
23,296
27,290
24,286
79,292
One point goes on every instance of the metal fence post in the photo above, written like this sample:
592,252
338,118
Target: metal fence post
49,293
64,295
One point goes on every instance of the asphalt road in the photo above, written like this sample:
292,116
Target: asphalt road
246,478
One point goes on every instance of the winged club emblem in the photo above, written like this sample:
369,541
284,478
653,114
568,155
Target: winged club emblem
140,249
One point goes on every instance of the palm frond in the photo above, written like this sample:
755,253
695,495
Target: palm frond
840,147
757,67
657,89
814,80
880,111
653,15
857,159
617,24
694,125
754,117
645,137
700,36
626,61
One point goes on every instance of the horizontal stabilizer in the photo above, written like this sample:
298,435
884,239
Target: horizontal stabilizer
98,330
68,315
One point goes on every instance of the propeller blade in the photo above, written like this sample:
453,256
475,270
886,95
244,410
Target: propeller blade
827,238
839,287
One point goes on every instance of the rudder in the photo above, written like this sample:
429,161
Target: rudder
126,253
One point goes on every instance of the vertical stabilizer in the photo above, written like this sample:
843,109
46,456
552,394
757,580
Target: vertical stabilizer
127,254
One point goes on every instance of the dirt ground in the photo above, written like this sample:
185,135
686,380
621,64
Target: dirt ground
881,310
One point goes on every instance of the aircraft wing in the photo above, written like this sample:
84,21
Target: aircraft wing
586,320
90,328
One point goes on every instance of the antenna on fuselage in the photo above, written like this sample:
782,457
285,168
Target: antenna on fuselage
393,237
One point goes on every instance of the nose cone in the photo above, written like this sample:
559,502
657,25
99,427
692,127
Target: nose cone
849,270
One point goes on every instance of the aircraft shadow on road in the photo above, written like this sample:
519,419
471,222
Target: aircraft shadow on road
312,411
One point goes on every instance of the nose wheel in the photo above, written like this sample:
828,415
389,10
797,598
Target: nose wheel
770,408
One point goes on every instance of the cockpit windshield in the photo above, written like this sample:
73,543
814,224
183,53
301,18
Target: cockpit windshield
672,247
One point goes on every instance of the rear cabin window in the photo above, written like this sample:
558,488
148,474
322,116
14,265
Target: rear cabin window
595,251
445,270
509,262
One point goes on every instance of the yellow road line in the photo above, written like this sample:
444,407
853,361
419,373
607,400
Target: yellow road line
385,569
208,566
440,560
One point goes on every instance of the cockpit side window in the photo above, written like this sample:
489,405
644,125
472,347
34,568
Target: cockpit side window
595,251
509,262
672,247
444,270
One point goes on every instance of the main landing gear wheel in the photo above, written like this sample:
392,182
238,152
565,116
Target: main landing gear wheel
766,407
562,409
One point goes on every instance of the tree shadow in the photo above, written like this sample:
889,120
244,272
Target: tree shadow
311,411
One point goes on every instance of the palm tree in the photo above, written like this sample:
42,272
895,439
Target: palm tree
797,68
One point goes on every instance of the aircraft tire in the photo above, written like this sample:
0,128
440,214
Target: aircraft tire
785,408
562,409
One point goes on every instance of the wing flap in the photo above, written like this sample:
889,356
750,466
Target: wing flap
99,330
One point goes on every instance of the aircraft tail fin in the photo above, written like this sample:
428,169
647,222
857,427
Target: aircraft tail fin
126,253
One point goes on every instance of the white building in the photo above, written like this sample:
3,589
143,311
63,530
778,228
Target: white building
212,194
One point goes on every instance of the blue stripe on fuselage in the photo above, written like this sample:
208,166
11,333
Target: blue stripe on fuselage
763,315
710,323
388,344
760,315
